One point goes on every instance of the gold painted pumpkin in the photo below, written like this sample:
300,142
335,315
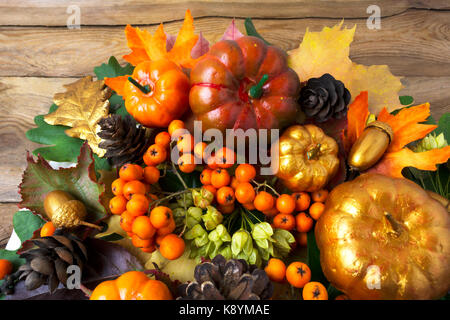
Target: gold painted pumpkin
385,238
308,158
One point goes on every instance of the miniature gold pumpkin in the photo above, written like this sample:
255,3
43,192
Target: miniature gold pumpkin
384,238
308,158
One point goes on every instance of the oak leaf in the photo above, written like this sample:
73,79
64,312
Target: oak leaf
327,51
81,107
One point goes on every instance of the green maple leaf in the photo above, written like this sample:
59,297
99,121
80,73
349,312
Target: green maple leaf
80,181
61,147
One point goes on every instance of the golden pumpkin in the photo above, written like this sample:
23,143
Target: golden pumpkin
308,158
385,238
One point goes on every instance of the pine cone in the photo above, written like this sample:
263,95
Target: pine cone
47,263
124,141
324,98
227,280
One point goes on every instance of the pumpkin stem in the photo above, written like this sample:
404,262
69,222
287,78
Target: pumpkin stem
396,226
255,92
144,89
313,153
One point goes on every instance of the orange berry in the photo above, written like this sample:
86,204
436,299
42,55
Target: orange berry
226,209
211,162
249,206
167,229
138,205
172,247
220,178
316,210
133,187
298,274
6,268
130,172
205,176
143,228
302,239
303,222
234,182
175,125
276,270
263,201
244,192
284,221
225,158
199,150
140,243
319,196
163,139
160,216
185,143
159,238
211,189
117,186
155,155
285,204
245,172
314,291
150,249
118,204
271,212
48,229
302,201
225,196
151,175
186,163
126,221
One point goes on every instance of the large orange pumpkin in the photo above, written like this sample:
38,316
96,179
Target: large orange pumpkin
385,238
133,285
244,84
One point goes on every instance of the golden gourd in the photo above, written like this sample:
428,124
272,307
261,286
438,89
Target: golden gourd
384,238
308,158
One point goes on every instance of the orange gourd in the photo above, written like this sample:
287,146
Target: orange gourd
133,285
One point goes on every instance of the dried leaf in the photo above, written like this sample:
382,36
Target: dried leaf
232,32
357,114
328,51
81,107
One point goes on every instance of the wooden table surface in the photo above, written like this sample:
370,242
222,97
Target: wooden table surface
38,53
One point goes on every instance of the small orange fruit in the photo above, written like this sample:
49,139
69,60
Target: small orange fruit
140,243
298,274
155,155
245,193
205,176
150,249
138,205
245,172
6,268
303,222
175,125
172,247
225,196
276,270
284,221
48,229
199,150
285,204
185,143
271,212
226,209
167,229
320,195
186,163
133,187
220,178
160,216
316,210
117,186
234,182
264,201
143,228
126,221
225,158
151,174
302,201
118,204
129,172
163,139
314,291
211,189
249,206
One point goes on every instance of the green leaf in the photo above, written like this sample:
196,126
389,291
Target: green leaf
406,100
313,260
111,237
112,69
101,164
80,181
117,105
251,30
13,257
61,147
444,126
171,183
26,223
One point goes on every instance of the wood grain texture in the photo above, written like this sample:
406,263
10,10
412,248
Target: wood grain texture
414,43
122,12
7,211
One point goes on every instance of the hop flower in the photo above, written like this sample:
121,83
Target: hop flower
241,244
202,197
431,142
194,216
212,218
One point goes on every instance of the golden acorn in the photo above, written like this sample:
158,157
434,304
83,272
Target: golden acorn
65,211
370,146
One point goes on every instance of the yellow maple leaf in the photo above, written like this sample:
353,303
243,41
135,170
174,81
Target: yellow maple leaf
81,107
327,51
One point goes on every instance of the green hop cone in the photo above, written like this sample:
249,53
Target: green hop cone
255,258
283,240
194,216
212,218
179,215
202,198
241,243
196,232
186,200
262,231
431,142
226,252
201,241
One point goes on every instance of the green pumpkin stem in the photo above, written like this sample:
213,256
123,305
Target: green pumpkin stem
144,89
255,92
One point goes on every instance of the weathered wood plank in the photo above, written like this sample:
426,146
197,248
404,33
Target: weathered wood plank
23,98
415,43
7,211
121,12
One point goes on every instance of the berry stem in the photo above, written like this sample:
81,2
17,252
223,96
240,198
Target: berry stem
179,176
85,290
265,184
90,225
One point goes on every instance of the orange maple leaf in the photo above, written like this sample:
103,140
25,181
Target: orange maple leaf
145,46
406,127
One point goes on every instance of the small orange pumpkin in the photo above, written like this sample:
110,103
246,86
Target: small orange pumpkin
133,285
